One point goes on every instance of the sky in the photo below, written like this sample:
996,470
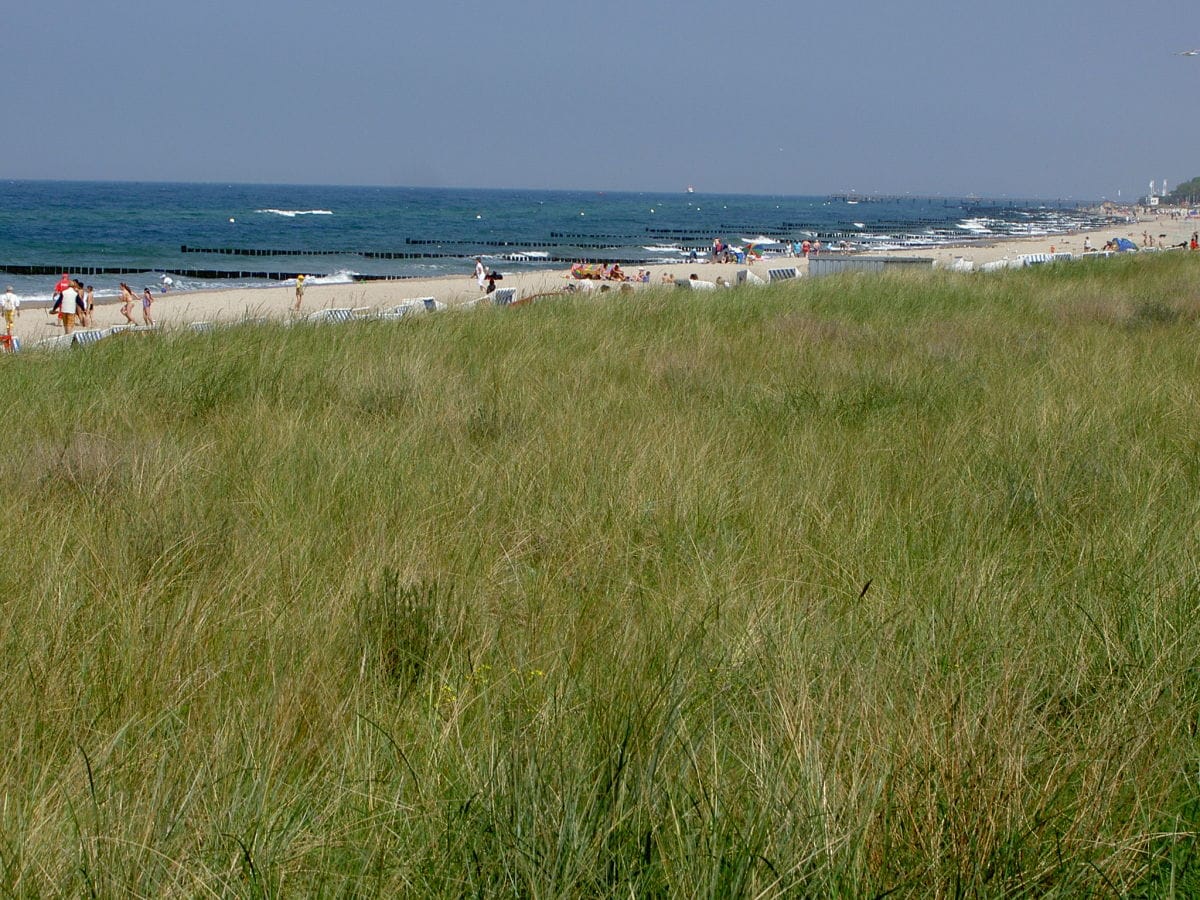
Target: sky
1059,99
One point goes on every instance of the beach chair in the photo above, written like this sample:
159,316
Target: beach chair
392,312
503,296
697,285
411,307
1034,259
87,336
58,342
402,309
783,274
201,326
327,316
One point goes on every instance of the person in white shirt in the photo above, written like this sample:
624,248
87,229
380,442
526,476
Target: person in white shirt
72,303
10,304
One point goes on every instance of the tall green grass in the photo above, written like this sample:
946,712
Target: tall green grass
846,587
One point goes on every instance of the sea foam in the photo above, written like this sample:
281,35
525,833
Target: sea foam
292,213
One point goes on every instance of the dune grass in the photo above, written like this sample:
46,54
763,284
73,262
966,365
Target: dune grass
837,588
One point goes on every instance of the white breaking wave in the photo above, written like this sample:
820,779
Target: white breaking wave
343,276
292,213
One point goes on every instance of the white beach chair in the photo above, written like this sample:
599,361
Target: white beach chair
503,296
411,307
86,336
1034,259
58,342
783,274
327,316
695,285
392,312
201,326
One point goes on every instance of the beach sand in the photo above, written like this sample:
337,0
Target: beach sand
174,310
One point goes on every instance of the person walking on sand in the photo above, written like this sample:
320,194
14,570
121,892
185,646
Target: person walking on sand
10,304
299,293
147,299
127,303
89,306
480,272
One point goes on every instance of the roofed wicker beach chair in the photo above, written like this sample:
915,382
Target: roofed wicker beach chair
324,317
783,274
58,342
1034,259
85,336
695,284
411,307
498,297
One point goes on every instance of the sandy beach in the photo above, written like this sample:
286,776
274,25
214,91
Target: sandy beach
173,310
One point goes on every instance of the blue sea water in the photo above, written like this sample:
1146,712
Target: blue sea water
251,235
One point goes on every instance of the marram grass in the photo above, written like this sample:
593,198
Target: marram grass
839,588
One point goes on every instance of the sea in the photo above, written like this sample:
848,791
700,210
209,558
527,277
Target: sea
209,236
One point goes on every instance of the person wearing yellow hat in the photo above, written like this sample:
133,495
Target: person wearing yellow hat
299,292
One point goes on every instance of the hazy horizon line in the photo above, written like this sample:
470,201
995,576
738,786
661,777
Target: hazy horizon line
550,190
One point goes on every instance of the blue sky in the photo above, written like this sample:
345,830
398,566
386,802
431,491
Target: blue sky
1056,99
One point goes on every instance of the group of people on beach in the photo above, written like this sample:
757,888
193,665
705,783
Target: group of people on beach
722,252
75,304
72,303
